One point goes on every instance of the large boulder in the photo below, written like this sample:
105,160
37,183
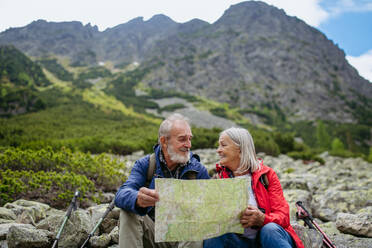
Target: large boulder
334,201
110,221
114,234
30,237
4,228
101,241
292,196
309,237
76,230
356,224
7,214
28,212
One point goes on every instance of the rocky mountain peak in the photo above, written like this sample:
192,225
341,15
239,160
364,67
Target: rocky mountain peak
161,19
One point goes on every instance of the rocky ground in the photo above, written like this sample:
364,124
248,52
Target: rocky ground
338,194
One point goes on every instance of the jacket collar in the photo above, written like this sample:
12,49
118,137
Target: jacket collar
257,174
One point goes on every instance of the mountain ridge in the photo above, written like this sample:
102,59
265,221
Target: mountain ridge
254,56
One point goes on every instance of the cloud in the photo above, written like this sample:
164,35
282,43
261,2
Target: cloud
338,7
315,12
363,64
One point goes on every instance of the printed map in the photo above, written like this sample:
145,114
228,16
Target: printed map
194,210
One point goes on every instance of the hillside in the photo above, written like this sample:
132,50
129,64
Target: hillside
19,79
254,57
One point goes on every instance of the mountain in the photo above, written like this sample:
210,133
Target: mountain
19,79
254,57
130,42
42,38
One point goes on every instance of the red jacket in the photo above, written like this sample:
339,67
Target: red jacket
273,201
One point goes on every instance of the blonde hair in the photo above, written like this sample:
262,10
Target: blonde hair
243,139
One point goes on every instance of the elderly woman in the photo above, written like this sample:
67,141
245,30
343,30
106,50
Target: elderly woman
266,218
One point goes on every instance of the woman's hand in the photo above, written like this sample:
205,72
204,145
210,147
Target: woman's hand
147,197
252,217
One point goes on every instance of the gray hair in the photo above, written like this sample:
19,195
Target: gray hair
167,124
243,139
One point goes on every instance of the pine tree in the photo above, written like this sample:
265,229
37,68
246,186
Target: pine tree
323,138
337,145
370,155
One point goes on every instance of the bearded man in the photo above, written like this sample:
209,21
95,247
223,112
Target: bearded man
137,200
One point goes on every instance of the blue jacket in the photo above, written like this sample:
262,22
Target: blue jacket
127,194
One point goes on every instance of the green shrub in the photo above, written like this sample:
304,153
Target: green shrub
219,111
337,145
322,135
171,107
289,170
58,70
285,142
344,154
264,142
205,138
306,155
32,174
55,189
369,159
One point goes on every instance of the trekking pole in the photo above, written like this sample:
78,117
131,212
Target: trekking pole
72,206
303,214
108,209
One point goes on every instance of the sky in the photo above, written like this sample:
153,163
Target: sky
348,23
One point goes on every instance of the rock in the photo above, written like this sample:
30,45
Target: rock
35,211
106,197
52,222
310,237
350,241
356,224
4,228
26,217
114,234
53,211
296,183
75,231
341,207
110,221
100,241
7,214
30,237
334,201
292,196
2,221
3,244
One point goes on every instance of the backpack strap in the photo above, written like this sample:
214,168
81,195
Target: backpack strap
150,170
264,181
152,164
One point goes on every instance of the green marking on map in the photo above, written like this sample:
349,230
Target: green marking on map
194,210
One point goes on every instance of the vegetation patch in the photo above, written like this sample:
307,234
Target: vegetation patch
53,176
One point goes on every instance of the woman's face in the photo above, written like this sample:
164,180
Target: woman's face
229,152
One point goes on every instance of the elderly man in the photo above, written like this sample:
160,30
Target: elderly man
172,159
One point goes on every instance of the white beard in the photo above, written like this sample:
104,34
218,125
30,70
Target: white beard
177,158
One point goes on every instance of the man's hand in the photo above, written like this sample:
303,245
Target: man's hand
147,197
252,217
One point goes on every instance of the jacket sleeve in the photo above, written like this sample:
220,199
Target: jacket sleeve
126,196
279,208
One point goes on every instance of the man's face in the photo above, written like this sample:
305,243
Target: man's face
179,143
